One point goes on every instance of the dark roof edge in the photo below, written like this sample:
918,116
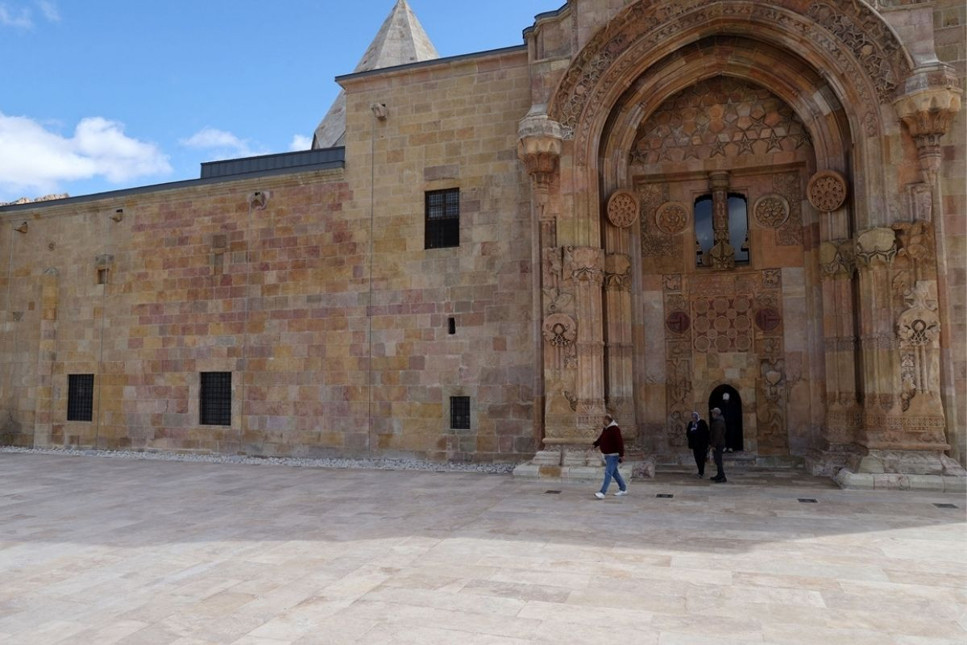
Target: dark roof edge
431,62
174,185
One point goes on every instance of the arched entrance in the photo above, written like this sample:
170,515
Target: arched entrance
677,108
727,399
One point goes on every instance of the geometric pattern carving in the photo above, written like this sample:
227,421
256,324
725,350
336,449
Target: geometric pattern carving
771,211
672,217
826,190
863,45
719,117
623,208
722,324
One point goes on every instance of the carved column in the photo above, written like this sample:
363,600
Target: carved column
539,148
722,255
928,101
843,415
622,212
875,250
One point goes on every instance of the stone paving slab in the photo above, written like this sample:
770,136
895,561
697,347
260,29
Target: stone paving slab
99,551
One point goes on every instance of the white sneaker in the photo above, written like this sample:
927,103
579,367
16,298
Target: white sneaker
620,493
599,495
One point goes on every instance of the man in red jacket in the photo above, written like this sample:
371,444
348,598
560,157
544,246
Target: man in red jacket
613,448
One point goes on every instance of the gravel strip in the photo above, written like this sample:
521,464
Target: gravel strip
363,464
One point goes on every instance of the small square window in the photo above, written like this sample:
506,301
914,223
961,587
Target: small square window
442,218
216,398
80,397
460,412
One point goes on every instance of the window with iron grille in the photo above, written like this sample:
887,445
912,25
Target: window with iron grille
460,412
442,218
80,397
216,398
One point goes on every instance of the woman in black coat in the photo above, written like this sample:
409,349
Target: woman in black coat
698,439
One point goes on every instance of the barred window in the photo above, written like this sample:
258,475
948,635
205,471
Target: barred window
460,412
80,397
216,398
442,218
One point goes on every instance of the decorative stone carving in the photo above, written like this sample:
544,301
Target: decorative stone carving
559,330
722,256
771,211
915,241
560,335
854,35
826,190
672,282
623,208
838,257
931,98
722,324
720,116
875,246
617,272
672,218
657,246
678,322
584,264
767,319
920,200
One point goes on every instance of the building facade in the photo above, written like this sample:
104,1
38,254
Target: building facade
651,207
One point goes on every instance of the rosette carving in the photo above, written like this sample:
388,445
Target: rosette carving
672,217
826,190
623,207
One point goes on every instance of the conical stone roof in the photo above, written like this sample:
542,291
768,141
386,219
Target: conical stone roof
400,40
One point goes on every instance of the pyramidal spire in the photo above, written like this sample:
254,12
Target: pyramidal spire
400,40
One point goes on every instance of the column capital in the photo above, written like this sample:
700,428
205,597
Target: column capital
539,142
929,100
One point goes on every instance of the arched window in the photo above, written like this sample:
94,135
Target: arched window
704,233
738,228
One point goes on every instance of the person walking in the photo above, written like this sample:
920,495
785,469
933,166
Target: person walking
698,440
717,431
612,446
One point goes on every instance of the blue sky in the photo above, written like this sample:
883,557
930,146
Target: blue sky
99,95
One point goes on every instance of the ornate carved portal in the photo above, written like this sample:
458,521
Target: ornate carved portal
736,147
741,191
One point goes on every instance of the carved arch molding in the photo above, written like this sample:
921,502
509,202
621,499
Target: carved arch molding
849,33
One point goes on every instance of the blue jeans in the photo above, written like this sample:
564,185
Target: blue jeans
611,470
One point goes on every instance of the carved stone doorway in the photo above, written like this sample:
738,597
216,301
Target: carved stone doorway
727,399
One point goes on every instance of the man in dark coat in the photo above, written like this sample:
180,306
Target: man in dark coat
717,430
613,448
698,438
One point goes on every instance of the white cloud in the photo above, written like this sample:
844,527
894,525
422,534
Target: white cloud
49,9
223,145
36,159
22,17
15,17
300,142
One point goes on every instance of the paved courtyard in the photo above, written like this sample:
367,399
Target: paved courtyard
96,550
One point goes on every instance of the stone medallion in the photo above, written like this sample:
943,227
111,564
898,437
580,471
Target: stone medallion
623,208
826,190
771,211
672,217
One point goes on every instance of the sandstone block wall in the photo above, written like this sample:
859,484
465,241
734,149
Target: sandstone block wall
313,289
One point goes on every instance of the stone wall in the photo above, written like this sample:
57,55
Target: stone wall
314,291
